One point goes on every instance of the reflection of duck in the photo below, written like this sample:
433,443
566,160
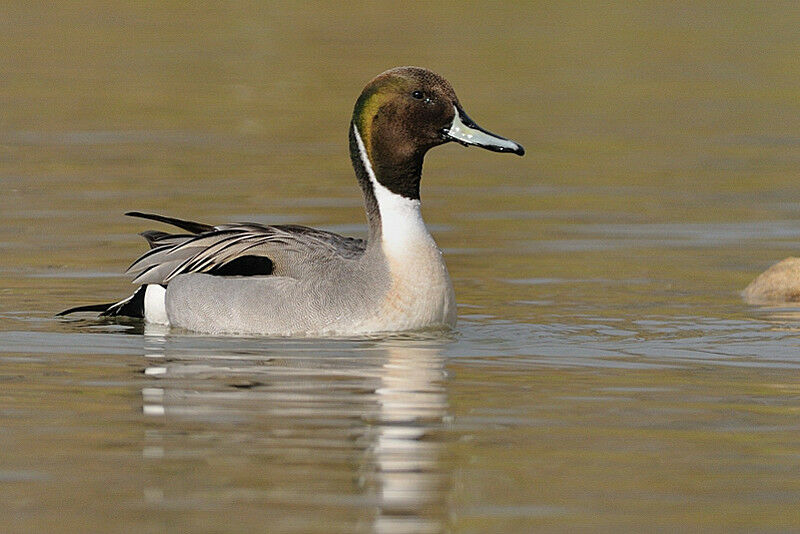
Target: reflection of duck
294,280
778,284
360,431
412,399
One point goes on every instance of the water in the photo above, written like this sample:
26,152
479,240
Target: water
605,374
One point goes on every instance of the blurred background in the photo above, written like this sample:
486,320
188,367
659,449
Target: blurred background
605,374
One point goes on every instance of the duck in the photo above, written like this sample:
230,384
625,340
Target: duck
292,280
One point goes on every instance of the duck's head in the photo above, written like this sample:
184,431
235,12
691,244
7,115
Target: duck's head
403,113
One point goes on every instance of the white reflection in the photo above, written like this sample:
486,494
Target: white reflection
412,402
155,339
311,409
153,409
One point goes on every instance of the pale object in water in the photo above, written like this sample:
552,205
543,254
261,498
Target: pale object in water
779,283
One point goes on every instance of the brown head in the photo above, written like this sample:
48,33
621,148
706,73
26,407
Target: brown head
403,113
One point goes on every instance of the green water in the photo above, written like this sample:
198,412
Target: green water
605,375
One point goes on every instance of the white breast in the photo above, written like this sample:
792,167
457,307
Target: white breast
421,293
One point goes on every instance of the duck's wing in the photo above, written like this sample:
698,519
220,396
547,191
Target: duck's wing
226,250
240,249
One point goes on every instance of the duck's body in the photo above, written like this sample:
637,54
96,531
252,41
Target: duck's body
396,281
294,280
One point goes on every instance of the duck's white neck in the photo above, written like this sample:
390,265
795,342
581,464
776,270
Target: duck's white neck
402,226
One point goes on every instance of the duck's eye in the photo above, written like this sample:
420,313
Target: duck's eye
417,95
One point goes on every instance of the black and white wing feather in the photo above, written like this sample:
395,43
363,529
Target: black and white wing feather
238,249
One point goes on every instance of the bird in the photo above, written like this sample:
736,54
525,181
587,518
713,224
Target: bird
291,280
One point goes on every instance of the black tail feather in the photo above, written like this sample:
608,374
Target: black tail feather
189,226
89,308
132,306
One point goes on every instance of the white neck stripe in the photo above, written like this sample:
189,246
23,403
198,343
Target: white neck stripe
401,220
362,151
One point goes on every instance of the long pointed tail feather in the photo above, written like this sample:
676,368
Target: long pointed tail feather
132,306
88,308
189,226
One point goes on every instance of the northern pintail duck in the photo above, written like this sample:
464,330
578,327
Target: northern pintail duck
294,280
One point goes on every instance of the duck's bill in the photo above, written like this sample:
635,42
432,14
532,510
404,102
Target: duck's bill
465,131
